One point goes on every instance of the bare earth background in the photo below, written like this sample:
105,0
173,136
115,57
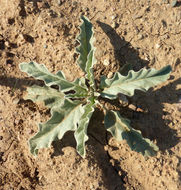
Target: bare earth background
141,32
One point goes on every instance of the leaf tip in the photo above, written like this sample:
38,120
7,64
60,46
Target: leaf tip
22,66
33,148
84,18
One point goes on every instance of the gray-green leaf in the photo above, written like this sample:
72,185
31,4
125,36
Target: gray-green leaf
86,49
141,80
120,129
89,69
51,98
81,132
39,71
63,119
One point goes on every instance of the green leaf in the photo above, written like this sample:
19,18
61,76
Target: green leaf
63,119
85,39
141,80
81,132
86,50
89,69
52,98
39,71
120,129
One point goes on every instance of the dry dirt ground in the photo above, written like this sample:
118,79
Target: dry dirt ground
141,32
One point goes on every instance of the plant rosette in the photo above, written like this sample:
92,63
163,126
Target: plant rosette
73,104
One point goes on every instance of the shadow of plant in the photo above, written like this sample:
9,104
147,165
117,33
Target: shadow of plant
18,83
123,50
151,123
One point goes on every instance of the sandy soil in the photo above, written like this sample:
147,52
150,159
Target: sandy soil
141,32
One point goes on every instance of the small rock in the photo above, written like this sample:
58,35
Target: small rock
6,44
15,100
114,17
114,25
106,148
140,36
59,2
110,74
157,46
86,13
132,107
106,62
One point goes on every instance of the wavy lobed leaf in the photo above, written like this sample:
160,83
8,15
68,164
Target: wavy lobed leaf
89,69
39,71
120,129
141,80
86,50
51,98
63,119
81,132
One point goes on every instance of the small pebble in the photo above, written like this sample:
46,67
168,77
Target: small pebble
106,62
157,46
113,17
110,74
86,13
114,25
15,100
6,44
132,107
106,148
59,2
140,36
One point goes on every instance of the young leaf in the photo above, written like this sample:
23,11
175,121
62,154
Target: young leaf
52,98
120,128
63,119
89,69
39,71
85,39
81,132
141,80
86,49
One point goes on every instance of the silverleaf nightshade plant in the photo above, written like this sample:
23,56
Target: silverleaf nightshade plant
73,104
